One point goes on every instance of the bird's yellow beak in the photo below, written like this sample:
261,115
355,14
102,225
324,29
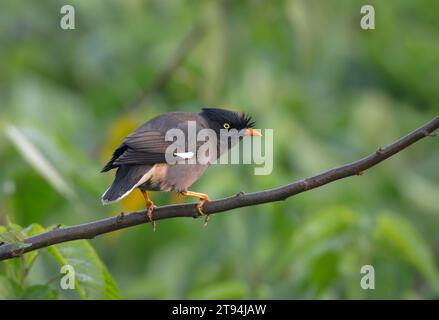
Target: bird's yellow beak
254,133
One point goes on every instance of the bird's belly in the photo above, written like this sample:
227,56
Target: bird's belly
176,178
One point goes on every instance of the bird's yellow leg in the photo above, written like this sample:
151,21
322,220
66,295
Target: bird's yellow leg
204,198
149,208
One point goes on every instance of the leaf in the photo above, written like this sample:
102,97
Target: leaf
403,239
326,224
420,191
315,234
324,270
38,161
39,292
12,235
92,279
9,289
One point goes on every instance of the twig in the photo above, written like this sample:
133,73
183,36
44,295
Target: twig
92,229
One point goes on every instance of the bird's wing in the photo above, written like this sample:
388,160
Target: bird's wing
148,141
142,147
147,145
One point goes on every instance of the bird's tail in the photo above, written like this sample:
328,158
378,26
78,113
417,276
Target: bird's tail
127,179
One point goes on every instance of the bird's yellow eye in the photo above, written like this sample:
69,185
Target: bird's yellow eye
226,126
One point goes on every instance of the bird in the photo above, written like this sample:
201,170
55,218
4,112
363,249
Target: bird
142,159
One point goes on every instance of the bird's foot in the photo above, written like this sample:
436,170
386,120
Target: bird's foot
149,209
200,206
203,199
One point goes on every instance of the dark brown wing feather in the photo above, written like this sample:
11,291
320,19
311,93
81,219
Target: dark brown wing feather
147,145
143,147
147,141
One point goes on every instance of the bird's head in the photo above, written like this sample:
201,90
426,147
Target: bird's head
222,119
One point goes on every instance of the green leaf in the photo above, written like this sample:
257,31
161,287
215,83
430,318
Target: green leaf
404,240
322,226
324,270
12,235
315,234
32,153
92,279
39,292
9,289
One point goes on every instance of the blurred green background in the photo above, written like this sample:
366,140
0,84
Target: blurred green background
331,91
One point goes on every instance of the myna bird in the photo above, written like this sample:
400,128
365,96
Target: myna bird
141,159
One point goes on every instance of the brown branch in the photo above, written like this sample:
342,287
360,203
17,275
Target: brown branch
92,229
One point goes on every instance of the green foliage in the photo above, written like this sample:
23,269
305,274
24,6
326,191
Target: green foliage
92,279
222,290
403,240
331,91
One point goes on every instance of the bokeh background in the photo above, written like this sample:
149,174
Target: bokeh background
331,91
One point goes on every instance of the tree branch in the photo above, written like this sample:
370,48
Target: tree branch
92,229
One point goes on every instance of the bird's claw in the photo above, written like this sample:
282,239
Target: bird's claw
149,209
203,199
200,211
206,220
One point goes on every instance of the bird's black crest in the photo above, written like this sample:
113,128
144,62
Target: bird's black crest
236,120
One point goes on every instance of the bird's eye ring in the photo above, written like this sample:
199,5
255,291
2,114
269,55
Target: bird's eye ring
226,126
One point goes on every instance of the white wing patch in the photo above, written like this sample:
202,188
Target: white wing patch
184,155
